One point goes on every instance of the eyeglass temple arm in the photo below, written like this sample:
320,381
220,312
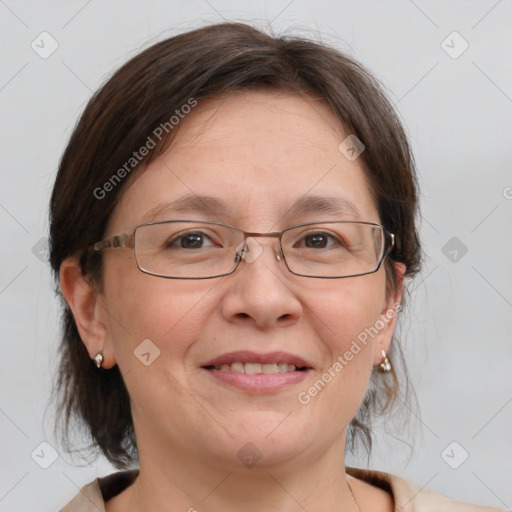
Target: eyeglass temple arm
115,242
391,242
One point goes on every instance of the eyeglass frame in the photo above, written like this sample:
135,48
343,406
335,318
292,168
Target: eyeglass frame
127,240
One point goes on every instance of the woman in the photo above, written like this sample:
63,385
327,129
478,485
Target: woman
231,225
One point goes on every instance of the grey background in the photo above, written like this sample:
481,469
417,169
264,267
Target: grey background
458,112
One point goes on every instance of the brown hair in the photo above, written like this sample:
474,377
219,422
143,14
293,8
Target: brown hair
142,96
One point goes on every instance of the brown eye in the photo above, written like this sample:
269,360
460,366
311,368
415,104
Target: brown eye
320,240
316,241
192,240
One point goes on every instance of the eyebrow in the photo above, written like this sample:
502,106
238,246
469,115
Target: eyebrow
213,206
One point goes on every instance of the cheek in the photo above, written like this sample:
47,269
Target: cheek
346,310
349,345
344,322
172,319
144,307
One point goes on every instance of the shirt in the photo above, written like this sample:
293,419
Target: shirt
407,496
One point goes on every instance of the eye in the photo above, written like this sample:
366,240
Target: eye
190,240
320,240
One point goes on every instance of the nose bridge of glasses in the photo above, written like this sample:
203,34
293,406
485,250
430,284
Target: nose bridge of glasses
250,248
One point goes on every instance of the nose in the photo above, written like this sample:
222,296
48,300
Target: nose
260,291
250,249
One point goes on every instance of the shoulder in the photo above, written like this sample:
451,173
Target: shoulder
408,497
89,498
92,497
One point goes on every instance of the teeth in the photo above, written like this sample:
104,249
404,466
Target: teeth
282,367
270,368
235,367
254,368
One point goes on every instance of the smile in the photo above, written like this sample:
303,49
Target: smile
256,368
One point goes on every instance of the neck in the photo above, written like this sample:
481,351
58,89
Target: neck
180,481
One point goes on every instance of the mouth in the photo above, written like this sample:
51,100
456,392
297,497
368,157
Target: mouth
246,361
256,368
258,373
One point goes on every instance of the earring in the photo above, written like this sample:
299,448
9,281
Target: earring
99,359
385,364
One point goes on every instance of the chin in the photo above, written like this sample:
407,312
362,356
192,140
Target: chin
265,444
246,455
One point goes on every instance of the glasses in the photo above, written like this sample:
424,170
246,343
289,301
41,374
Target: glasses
186,249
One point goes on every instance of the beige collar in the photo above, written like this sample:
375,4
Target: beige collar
407,496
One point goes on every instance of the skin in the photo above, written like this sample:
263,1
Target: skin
258,151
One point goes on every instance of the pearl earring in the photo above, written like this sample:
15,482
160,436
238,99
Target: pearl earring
99,359
385,364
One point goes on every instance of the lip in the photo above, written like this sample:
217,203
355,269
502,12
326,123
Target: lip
258,384
247,356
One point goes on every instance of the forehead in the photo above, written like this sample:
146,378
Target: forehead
269,127
259,153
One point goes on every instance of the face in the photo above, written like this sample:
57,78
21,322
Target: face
258,152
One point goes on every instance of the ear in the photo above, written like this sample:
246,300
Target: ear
89,314
387,319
